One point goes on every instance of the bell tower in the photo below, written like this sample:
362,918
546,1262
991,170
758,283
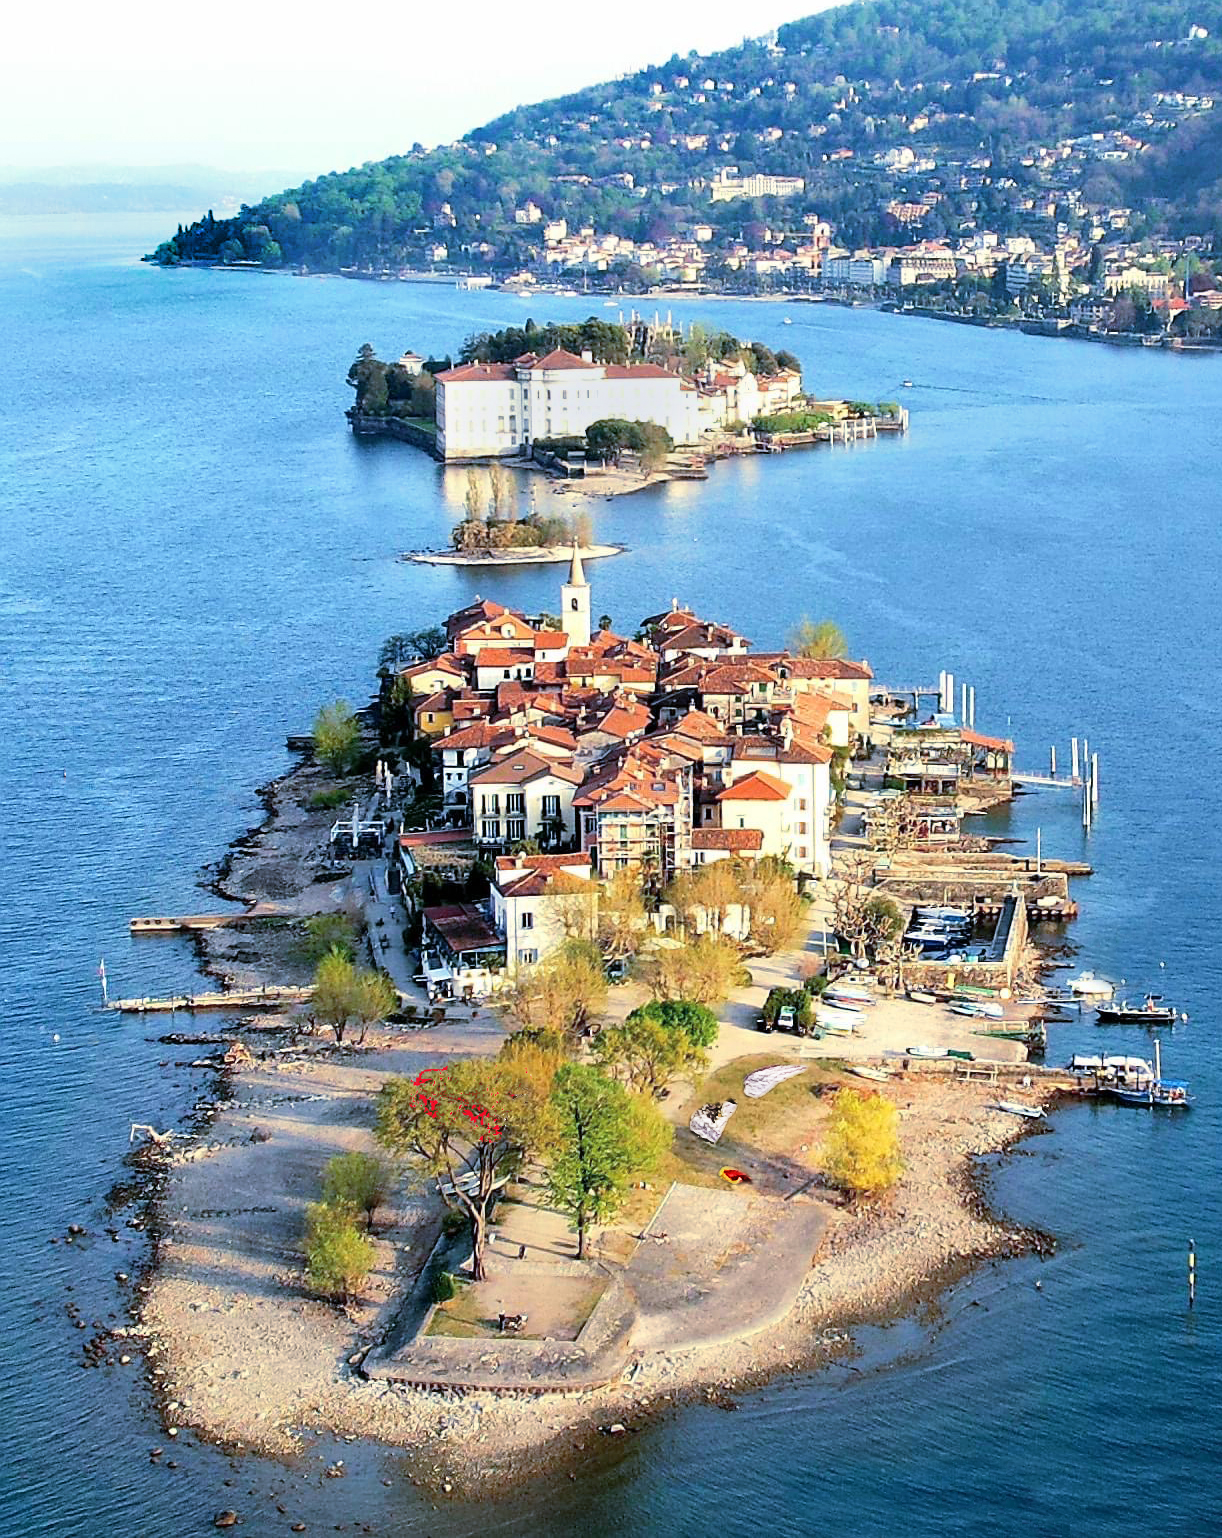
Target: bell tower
575,603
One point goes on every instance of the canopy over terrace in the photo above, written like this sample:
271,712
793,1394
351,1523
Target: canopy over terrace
460,952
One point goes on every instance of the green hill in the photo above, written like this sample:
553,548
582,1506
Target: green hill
975,89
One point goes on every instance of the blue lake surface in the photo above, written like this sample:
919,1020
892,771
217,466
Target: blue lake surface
194,553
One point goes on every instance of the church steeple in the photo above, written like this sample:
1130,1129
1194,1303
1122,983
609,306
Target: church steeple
575,603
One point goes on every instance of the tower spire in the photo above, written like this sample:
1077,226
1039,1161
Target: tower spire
577,577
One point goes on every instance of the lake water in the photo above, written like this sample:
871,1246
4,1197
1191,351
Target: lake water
194,553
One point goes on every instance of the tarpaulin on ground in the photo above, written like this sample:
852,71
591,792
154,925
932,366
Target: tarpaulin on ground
709,1122
764,1079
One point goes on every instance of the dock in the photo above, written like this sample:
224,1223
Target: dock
236,998
179,924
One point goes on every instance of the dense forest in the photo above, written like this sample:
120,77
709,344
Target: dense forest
966,82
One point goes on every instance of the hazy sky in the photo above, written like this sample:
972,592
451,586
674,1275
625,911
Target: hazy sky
252,85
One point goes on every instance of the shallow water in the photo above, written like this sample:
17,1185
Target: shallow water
194,553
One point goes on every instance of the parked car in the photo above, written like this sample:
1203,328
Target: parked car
787,1018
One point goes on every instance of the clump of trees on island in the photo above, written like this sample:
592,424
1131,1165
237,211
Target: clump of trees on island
390,390
490,520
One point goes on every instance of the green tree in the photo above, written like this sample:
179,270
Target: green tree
602,1138
345,994
338,1256
695,1021
359,1181
647,1054
337,737
408,646
818,639
470,1126
861,1150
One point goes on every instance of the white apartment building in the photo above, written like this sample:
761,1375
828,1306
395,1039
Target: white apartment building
486,410
536,904
727,184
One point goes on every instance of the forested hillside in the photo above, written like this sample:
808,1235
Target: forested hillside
964,90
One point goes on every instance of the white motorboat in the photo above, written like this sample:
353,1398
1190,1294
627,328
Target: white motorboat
865,1071
924,1050
1087,985
838,1022
852,993
982,1009
1017,1108
953,915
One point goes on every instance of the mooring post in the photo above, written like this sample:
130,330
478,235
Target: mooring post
1073,746
1094,779
1054,760
1192,1273
971,707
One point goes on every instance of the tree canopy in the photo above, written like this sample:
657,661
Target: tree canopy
337,737
602,1138
861,1150
470,1126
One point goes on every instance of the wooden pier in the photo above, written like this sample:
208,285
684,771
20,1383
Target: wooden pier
179,924
237,998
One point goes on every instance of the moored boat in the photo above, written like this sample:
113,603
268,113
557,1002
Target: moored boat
922,996
866,1071
922,1049
1087,985
1151,1012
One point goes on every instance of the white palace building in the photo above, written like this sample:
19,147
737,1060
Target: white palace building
492,409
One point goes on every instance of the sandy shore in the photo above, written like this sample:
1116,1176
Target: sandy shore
533,555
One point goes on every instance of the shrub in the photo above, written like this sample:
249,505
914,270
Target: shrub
338,1256
861,1150
455,1223
358,1181
444,1287
328,800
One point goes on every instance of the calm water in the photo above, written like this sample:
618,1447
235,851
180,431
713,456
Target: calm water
194,553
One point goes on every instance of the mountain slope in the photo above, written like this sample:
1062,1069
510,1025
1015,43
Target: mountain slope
963,84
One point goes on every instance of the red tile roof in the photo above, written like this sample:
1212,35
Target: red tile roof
561,358
464,927
727,838
477,373
756,786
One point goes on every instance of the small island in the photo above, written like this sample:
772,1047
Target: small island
629,1066
605,407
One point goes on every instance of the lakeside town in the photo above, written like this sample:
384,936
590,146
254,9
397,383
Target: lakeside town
650,1000
1089,280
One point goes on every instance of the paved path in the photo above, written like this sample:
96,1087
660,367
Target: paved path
732,1263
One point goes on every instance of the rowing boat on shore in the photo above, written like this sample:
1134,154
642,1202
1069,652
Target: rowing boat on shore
1017,1108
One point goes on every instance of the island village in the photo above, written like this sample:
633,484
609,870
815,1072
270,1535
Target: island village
691,1004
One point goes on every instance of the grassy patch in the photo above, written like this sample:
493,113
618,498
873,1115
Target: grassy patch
464,1315
327,800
